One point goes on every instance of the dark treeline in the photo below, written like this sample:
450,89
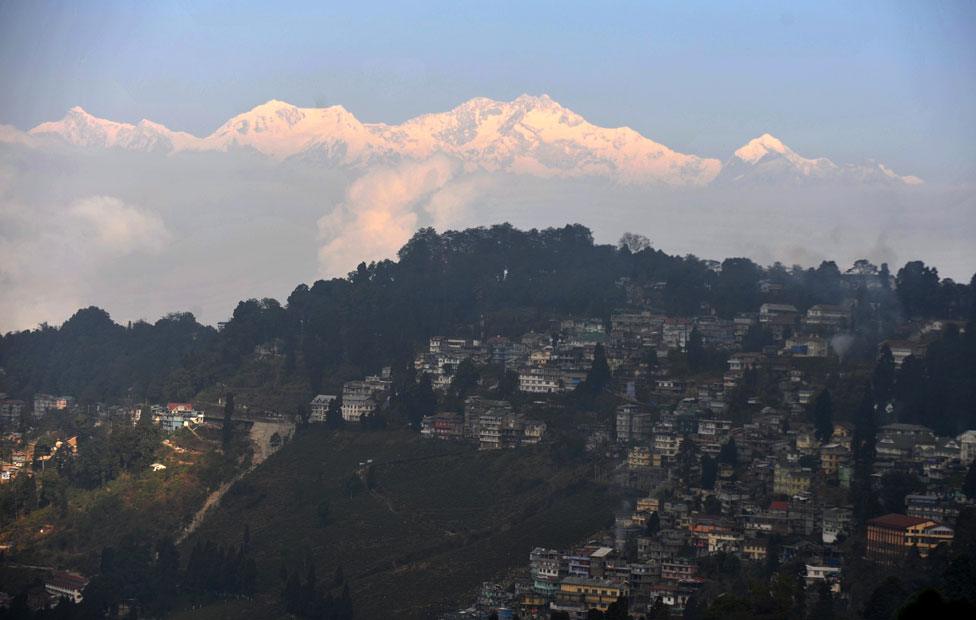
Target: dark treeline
479,281
141,579
311,599
94,359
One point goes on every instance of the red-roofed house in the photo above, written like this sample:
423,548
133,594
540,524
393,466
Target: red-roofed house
890,536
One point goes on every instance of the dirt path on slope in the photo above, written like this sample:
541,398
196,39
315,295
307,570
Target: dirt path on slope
260,436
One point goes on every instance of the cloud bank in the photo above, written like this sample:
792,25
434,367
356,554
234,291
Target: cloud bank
51,255
142,234
383,208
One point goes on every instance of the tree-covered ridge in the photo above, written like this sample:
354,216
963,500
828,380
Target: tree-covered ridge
93,358
479,281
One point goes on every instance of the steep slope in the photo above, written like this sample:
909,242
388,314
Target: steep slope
434,509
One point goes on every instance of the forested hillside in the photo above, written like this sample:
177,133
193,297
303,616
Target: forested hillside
476,282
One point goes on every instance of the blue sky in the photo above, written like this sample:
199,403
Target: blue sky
894,81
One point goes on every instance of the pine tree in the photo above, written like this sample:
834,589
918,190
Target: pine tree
823,415
729,453
709,472
145,417
599,376
883,378
333,415
865,433
653,524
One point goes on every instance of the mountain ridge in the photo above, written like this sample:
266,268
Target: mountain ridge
531,135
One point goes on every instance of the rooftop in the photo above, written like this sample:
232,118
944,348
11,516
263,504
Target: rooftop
896,521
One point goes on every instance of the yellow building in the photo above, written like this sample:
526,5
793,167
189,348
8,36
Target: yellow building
583,594
890,536
639,457
755,550
832,456
791,480
648,504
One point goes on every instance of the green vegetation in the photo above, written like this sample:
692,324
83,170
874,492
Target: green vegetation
72,528
426,510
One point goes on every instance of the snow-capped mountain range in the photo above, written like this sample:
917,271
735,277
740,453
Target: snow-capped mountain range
529,135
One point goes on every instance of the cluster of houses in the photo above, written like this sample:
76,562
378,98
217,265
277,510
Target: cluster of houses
173,416
359,399
492,424
12,410
26,456
19,452
761,486
652,554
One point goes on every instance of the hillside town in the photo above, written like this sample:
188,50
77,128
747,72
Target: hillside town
738,464
778,443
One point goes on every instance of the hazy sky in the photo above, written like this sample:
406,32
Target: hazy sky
892,81
142,234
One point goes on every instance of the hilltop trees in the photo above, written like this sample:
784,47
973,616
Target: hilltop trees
93,358
737,288
496,280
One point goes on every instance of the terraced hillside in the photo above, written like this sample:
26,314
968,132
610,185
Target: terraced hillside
439,518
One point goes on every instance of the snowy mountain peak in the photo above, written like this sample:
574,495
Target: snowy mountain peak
757,148
766,159
80,128
79,111
531,134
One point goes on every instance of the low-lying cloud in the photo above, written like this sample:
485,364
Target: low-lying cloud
51,255
383,208
115,228
142,235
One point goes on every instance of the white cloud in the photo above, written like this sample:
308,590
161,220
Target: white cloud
144,234
384,207
117,228
51,259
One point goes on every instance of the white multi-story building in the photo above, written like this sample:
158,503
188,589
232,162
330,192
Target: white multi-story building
361,398
967,447
541,381
319,407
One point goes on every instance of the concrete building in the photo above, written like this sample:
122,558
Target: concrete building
890,536
319,407
633,425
